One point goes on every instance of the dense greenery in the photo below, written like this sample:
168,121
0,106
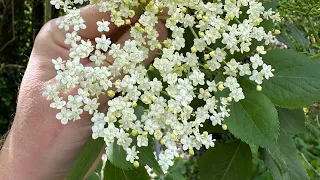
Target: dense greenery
300,33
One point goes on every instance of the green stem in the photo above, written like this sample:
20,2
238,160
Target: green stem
236,19
193,32
315,32
107,61
317,56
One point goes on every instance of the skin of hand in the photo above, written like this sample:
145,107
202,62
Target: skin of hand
38,146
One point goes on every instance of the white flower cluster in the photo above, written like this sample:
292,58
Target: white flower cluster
219,30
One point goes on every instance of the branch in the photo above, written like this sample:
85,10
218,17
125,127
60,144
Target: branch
13,28
11,66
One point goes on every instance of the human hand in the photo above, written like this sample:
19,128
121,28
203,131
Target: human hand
38,145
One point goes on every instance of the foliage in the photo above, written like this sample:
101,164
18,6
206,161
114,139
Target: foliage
268,131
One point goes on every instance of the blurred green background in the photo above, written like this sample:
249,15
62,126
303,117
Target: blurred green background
21,20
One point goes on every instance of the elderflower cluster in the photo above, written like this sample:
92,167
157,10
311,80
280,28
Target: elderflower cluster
183,97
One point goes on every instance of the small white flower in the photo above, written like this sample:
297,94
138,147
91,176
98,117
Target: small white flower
103,26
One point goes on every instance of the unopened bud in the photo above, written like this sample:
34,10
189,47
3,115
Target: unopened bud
165,43
191,152
193,49
229,99
205,133
134,104
199,16
205,18
184,10
158,134
144,134
207,94
153,98
128,21
277,32
173,48
201,34
145,100
221,87
212,54
159,46
206,66
137,25
259,88
136,164
134,132
163,141
224,127
206,56
111,93
112,118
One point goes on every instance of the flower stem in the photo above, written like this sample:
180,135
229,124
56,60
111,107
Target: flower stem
193,32
317,56
315,32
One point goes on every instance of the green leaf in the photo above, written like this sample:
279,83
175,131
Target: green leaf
272,165
285,40
272,4
177,171
254,120
147,157
175,176
226,161
292,121
112,172
298,35
287,158
94,176
296,80
86,159
117,156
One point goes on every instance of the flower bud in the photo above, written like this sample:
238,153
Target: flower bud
212,54
165,43
145,100
134,132
221,87
206,66
134,104
111,93
229,99
207,94
153,98
144,134
158,134
259,88
112,118
201,34
128,21
206,56
159,46
184,10
224,127
205,133
163,141
191,152
173,136
136,164
199,16
277,32
194,49
205,18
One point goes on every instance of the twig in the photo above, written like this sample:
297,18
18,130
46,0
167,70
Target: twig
315,56
13,28
306,160
11,65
